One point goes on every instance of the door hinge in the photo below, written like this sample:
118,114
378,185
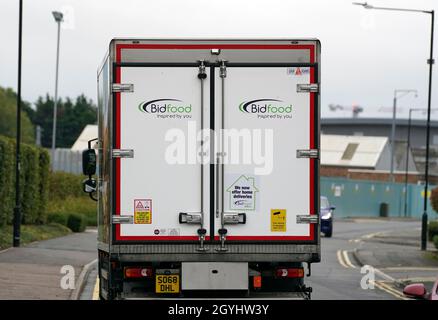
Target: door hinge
123,153
122,87
301,219
309,153
308,87
123,219
223,69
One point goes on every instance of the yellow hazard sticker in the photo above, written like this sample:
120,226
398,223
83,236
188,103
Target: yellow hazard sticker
143,211
278,220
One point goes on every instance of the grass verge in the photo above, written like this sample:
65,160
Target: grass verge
74,205
31,233
431,255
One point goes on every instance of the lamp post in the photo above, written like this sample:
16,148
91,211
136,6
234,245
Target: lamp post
430,62
58,18
408,145
17,208
394,112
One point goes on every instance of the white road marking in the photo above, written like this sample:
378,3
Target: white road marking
347,259
410,269
384,275
420,279
385,287
340,259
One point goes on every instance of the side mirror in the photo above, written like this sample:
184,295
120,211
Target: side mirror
89,185
416,291
89,162
332,208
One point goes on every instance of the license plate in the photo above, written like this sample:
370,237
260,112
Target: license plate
167,283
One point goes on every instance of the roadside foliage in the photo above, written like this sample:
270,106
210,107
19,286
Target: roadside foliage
33,182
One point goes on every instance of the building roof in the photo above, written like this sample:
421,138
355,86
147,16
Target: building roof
88,133
351,151
376,121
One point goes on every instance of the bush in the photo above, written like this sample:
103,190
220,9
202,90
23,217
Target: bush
76,222
7,190
57,218
432,229
33,182
81,205
434,199
29,181
63,185
43,189
435,241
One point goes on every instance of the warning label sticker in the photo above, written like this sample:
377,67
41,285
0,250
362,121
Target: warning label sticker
298,71
242,193
143,211
278,220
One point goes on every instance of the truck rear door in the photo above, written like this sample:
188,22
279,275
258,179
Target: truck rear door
163,177
266,121
220,145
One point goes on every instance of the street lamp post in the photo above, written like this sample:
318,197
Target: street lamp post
17,208
394,112
430,62
58,18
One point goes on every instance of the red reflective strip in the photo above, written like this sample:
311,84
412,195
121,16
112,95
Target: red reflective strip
138,272
290,273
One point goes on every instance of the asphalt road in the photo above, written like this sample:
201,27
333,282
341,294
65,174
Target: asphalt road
338,276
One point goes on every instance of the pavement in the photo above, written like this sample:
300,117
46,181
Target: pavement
395,248
34,271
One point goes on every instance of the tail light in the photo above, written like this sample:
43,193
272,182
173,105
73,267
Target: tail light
137,272
257,281
289,273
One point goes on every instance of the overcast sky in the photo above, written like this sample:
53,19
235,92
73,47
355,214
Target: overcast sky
366,54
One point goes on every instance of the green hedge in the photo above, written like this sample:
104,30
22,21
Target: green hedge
33,182
435,241
432,230
7,190
63,185
67,197
76,222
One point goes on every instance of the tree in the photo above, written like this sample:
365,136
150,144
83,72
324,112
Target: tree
71,119
8,118
434,199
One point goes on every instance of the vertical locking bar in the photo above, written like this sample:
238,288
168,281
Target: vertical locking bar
222,231
202,231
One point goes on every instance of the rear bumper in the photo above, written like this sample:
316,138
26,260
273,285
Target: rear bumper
222,257
251,296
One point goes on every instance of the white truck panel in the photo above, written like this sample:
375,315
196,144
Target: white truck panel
284,180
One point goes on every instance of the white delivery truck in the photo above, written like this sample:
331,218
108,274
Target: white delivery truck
207,167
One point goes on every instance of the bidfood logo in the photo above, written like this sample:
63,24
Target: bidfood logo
166,108
267,108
